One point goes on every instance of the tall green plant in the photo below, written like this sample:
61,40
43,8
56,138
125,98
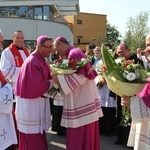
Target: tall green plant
136,31
113,35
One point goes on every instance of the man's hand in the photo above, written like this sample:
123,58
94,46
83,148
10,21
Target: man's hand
87,51
101,82
9,81
125,101
55,79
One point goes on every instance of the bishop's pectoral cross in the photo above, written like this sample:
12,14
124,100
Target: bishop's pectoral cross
3,135
6,99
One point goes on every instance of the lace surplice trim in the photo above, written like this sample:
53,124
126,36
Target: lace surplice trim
143,109
144,139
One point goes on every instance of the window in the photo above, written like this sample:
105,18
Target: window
79,21
32,12
29,12
79,40
46,13
38,12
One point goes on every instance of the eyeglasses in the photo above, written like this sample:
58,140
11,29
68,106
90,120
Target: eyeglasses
120,52
147,44
2,42
97,51
47,46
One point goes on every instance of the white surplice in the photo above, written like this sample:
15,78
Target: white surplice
33,115
81,101
104,91
105,99
139,136
8,65
7,129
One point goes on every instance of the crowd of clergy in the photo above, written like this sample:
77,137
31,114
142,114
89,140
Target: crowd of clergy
83,107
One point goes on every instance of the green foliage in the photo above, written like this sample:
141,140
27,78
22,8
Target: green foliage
112,68
101,39
137,30
113,35
126,117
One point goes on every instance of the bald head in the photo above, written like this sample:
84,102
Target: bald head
1,39
123,50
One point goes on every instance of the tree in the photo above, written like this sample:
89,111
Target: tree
137,29
113,35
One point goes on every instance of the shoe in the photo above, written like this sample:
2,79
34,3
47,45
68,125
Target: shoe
118,142
59,134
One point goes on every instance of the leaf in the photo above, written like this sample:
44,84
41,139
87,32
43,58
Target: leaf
111,65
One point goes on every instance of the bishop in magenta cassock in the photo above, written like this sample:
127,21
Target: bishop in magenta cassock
82,109
32,103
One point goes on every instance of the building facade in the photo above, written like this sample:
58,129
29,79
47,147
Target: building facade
87,28
35,18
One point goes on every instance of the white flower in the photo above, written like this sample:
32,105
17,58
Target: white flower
98,66
83,59
65,61
131,76
118,61
125,73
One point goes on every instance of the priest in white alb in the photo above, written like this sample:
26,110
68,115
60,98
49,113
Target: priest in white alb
7,128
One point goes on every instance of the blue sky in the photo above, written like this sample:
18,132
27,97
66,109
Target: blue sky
118,11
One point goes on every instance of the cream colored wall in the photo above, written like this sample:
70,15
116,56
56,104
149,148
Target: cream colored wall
34,28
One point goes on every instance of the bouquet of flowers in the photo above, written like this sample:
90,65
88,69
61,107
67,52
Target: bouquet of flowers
101,81
66,66
69,66
134,78
123,77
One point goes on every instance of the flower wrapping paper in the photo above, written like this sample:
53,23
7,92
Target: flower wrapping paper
60,71
123,88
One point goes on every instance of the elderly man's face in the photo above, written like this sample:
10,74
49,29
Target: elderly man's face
97,52
58,47
122,51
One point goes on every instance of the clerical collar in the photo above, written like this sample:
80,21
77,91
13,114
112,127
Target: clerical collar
19,48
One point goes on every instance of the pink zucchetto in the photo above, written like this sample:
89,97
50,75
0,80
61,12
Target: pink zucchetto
42,38
61,38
